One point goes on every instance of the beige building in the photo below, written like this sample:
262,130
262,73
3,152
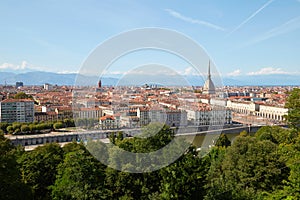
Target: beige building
87,113
108,122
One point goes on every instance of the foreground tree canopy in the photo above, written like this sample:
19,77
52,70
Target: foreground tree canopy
293,104
263,166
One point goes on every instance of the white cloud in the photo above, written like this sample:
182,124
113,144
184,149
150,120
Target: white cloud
235,73
189,71
10,66
268,71
68,72
153,72
193,21
117,72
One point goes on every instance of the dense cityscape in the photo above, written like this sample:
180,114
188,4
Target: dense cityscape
150,100
47,158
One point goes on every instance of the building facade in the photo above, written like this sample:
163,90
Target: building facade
204,117
17,110
272,112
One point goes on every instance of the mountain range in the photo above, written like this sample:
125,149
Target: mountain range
39,78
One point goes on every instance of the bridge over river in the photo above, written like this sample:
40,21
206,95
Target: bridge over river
31,141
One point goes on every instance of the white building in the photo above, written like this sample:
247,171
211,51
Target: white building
203,117
167,116
272,112
48,86
261,110
17,110
243,107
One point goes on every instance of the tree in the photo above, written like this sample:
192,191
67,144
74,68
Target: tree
223,141
73,146
291,189
293,104
22,95
80,176
58,125
69,122
10,129
184,179
16,125
276,135
10,179
25,128
249,168
39,168
3,126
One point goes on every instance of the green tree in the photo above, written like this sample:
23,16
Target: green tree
10,129
22,95
276,135
3,126
291,189
58,125
249,168
293,104
80,176
185,178
16,125
69,122
10,178
223,141
25,128
73,146
39,168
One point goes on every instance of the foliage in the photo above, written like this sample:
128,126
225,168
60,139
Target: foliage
35,127
25,128
58,125
276,135
186,183
79,177
10,179
39,168
22,95
293,104
264,166
249,167
223,141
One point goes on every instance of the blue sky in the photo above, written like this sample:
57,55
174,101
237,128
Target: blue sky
242,37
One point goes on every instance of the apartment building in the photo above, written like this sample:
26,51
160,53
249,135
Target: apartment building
17,110
208,116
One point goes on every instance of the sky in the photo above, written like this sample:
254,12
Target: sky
259,37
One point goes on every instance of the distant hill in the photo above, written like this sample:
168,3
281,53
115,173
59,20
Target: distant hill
39,78
274,79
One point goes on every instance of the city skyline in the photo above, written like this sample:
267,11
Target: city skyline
242,39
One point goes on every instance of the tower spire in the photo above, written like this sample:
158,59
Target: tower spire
209,87
209,75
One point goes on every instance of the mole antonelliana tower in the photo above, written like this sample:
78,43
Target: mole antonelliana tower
209,87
